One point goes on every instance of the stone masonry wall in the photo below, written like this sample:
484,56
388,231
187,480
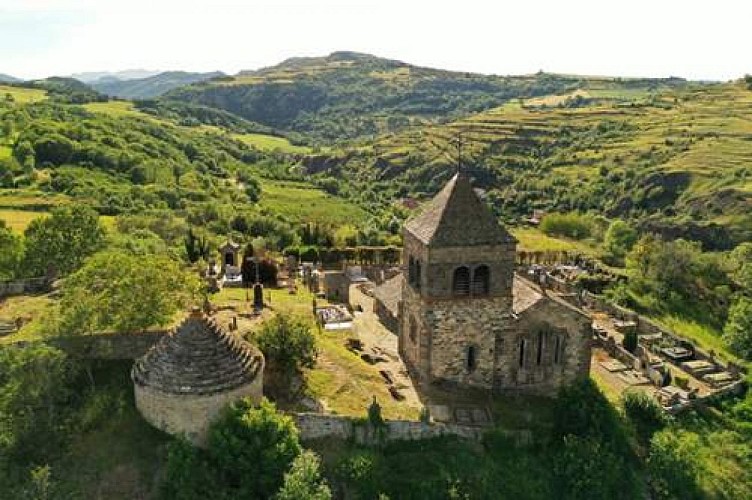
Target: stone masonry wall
543,373
317,426
190,414
20,287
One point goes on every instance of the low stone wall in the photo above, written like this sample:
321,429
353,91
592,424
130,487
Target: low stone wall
318,426
20,287
102,345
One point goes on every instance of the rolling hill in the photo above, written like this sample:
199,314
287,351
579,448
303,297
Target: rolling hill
349,95
152,86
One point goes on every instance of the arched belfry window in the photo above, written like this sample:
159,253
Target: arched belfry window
481,280
471,360
418,274
461,281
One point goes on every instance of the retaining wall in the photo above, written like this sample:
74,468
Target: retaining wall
20,287
317,426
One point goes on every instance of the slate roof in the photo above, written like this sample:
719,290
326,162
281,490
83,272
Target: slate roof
198,357
456,217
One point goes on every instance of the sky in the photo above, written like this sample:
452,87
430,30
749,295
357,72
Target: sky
658,38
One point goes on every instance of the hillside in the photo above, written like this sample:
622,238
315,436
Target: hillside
347,95
152,86
677,161
89,77
8,79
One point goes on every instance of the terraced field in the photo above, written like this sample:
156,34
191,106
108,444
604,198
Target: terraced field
685,152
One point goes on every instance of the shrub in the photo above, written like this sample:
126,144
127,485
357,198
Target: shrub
304,481
572,225
645,414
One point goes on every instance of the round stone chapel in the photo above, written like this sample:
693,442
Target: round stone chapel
184,381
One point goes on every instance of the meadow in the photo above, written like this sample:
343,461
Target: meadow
303,203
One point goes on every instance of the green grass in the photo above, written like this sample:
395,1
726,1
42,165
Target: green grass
32,309
303,203
5,152
22,95
534,240
270,143
116,109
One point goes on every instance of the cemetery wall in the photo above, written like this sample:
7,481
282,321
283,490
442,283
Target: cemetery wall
314,426
109,345
20,287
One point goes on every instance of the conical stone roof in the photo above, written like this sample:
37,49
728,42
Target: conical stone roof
199,358
456,217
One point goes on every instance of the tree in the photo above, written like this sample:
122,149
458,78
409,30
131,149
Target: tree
288,345
63,240
738,330
196,247
304,481
11,252
251,448
54,148
118,291
630,340
619,239
672,464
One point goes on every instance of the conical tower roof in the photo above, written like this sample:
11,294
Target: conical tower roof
198,357
456,217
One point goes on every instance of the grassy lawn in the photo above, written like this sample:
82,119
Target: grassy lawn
341,380
32,309
21,95
304,203
534,240
270,143
116,109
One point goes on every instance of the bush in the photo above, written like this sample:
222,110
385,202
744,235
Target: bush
288,345
672,465
572,225
645,413
249,449
304,481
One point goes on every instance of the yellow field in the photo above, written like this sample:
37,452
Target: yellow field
18,220
23,96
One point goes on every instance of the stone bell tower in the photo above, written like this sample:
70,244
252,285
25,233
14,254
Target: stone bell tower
457,294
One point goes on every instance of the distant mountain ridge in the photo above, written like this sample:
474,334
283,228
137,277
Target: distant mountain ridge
9,79
90,77
152,86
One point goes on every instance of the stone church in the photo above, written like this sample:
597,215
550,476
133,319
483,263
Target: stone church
466,320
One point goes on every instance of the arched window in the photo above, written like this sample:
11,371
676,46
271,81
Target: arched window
539,356
411,270
418,274
481,280
522,353
557,350
413,331
471,361
461,281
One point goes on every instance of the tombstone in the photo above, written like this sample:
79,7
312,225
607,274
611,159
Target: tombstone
258,296
230,255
